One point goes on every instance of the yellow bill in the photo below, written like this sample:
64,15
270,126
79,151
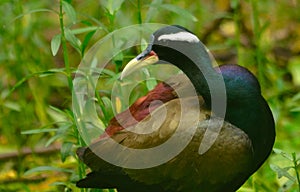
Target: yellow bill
139,62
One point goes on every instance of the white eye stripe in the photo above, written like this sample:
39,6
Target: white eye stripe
180,36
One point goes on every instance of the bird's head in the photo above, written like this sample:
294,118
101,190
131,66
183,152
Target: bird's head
169,44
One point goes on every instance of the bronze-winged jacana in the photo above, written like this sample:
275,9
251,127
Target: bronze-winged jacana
243,144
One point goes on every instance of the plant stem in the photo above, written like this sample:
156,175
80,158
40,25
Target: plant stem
64,46
81,167
295,167
237,19
257,37
139,12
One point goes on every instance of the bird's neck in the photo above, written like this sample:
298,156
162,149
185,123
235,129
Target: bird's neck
196,63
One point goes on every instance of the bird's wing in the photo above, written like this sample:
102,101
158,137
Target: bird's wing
179,126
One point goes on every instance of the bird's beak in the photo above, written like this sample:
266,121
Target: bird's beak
147,57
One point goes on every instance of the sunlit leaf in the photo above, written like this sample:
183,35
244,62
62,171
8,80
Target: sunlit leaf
55,44
58,183
295,109
33,11
47,168
36,131
70,11
112,6
144,44
12,105
283,154
151,83
73,40
282,172
118,105
53,139
107,105
85,30
294,68
119,56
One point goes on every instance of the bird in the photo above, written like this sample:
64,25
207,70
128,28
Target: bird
194,101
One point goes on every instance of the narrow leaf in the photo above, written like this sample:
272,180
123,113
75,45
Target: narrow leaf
70,11
86,40
84,30
282,172
52,139
178,10
116,5
73,40
283,154
32,11
58,183
47,168
152,10
113,6
36,131
12,105
55,44
66,150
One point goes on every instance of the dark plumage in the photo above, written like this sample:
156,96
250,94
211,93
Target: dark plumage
241,147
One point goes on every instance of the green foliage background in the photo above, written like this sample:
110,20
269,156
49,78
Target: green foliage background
35,86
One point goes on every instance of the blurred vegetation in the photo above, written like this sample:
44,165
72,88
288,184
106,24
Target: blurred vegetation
35,94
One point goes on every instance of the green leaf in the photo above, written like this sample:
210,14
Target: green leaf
283,154
116,5
70,11
178,10
61,132
73,40
86,40
234,3
144,44
55,44
282,172
294,68
66,150
58,183
64,128
107,106
152,10
108,72
151,83
113,6
85,29
118,57
12,105
51,72
295,109
47,168
57,114
32,11
296,97
52,139
36,131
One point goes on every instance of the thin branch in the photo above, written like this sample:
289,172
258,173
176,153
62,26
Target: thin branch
28,151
